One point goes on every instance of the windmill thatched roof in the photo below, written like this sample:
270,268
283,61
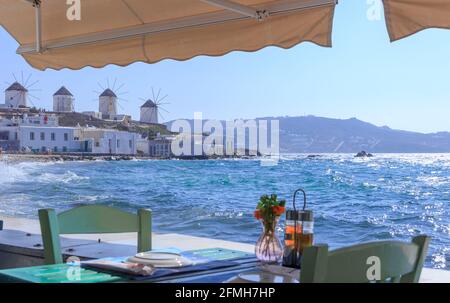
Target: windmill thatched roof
108,93
16,86
63,91
149,103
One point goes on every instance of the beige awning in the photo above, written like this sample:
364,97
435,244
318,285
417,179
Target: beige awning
125,31
407,17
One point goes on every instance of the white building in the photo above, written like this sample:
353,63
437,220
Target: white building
123,119
41,119
142,146
93,114
47,138
108,141
9,135
38,133
161,146
108,104
16,96
63,100
41,133
149,112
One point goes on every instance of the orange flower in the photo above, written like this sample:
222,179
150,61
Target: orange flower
278,210
257,214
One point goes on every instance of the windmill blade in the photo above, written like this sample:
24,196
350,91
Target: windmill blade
120,86
153,93
157,97
164,103
21,72
32,96
120,105
160,108
14,76
161,116
107,82
122,99
114,84
28,79
98,83
35,82
162,99
32,103
29,100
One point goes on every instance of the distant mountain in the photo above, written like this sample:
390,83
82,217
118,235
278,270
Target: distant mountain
310,134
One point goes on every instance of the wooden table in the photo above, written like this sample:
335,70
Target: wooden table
66,273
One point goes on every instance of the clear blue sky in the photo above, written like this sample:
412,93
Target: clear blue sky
405,85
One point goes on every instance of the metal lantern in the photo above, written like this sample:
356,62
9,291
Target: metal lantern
299,232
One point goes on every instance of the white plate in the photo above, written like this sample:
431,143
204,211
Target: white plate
158,259
261,277
154,255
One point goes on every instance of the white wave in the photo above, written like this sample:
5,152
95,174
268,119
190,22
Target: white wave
61,178
10,173
369,185
92,198
28,171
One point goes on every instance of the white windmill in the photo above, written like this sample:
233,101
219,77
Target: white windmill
109,100
150,109
17,94
63,100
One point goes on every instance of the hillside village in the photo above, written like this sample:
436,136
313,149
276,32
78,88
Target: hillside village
25,129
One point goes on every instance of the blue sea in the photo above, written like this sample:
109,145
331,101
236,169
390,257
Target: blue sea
390,196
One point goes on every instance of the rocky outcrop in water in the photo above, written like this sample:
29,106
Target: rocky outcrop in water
363,154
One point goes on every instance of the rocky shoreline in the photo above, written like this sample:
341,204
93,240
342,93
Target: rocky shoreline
59,158
15,158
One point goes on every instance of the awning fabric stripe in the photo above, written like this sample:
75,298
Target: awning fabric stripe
407,17
125,31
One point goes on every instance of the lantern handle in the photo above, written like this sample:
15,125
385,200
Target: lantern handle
304,198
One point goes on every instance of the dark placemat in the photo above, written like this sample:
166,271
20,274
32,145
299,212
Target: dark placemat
166,272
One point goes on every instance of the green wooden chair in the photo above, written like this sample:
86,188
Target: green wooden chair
92,219
395,262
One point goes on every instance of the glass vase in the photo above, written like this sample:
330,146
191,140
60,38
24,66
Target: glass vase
268,248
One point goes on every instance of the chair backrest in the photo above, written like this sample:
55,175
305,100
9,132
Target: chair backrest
385,261
92,219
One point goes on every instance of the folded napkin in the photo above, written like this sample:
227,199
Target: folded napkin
123,267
